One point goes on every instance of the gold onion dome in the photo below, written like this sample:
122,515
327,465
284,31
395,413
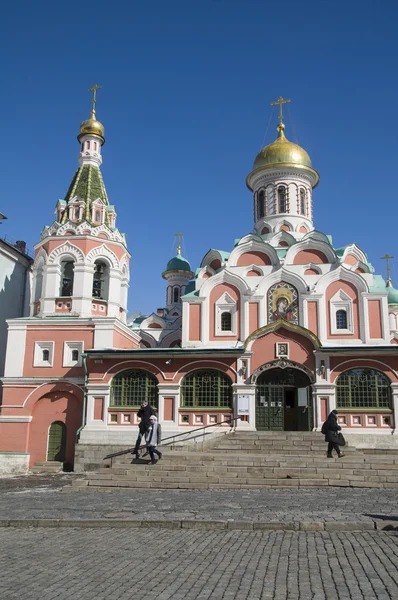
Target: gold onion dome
282,151
92,127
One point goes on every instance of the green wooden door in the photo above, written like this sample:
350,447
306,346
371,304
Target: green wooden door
57,441
269,407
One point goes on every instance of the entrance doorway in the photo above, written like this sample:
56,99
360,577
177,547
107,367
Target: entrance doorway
284,400
56,448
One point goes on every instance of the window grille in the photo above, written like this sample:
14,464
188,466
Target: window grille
363,388
261,198
282,198
341,319
226,321
302,201
132,387
206,389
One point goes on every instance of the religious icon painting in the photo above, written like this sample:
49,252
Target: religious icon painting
282,303
281,350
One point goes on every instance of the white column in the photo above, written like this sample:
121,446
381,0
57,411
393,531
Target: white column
169,390
82,289
394,391
245,390
51,288
97,391
114,293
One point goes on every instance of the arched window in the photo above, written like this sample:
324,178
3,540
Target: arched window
75,355
132,387
76,213
302,201
97,216
282,198
206,389
363,388
67,275
260,204
176,294
269,206
88,145
341,319
95,146
45,355
226,321
100,281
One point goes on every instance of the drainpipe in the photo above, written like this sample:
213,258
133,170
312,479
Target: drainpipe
84,357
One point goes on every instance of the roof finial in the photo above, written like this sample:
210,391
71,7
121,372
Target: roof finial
94,99
387,258
179,235
281,126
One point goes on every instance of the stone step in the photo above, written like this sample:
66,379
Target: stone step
47,467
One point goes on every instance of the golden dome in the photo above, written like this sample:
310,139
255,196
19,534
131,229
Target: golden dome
282,151
92,127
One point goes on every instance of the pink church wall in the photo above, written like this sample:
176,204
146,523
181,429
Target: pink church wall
14,436
85,245
123,340
168,409
82,333
253,316
310,256
350,260
252,274
352,292
375,324
313,317
54,407
253,258
215,294
194,321
300,348
99,409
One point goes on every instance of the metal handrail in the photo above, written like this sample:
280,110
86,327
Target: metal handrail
172,437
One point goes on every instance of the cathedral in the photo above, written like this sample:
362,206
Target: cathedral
270,334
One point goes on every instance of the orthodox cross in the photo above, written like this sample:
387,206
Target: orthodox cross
387,258
94,100
280,101
179,235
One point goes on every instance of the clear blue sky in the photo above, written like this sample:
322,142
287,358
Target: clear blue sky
185,104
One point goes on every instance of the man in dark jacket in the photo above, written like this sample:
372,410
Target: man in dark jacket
331,428
145,412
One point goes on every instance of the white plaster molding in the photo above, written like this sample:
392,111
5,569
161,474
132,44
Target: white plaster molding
103,252
64,250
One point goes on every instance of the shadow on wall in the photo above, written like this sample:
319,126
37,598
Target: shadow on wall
14,300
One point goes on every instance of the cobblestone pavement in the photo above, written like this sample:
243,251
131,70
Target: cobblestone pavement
157,564
42,497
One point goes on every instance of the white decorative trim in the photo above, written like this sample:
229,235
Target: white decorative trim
15,419
341,301
225,304
67,360
64,249
103,252
38,360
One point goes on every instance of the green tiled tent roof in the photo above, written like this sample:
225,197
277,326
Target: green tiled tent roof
88,185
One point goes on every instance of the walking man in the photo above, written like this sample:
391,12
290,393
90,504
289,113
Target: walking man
145,412
331,429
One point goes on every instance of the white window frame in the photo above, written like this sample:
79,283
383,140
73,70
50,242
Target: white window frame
38,354
341,301
67,355
225,304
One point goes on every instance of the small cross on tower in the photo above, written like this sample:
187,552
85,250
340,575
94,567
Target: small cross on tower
387,258
280,101
94,99
179,235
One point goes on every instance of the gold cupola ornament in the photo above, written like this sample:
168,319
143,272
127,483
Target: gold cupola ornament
92,126
282,152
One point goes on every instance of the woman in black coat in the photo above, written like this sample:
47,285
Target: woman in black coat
330,429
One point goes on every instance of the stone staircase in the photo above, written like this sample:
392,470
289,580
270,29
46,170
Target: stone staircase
48,466
248,461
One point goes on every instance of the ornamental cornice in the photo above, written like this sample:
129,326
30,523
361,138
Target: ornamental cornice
282,175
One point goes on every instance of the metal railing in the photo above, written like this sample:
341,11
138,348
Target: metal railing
171,439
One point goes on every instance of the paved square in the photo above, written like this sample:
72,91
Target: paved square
160,564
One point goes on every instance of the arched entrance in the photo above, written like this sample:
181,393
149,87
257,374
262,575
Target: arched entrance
284,397
56,447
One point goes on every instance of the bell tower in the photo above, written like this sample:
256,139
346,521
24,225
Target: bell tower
81,263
